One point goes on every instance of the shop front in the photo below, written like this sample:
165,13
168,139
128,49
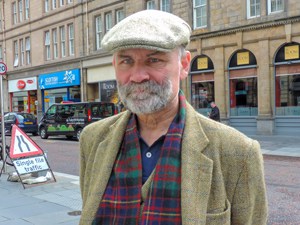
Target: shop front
23,95
287,89
243,91
62,86
202,82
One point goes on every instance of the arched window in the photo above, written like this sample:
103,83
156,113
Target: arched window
243,84
202,82
287,80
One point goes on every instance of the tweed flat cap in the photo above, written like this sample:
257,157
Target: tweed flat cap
148,29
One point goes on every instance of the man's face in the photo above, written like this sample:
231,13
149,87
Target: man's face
148,80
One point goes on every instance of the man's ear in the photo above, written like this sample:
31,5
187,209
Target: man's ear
185,64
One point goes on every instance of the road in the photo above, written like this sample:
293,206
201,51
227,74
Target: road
281,173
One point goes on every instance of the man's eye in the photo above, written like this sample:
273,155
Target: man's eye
154,60
126,61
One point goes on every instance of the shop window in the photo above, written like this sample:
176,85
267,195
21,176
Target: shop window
243,97
288,95
202,95
287,80
202,79
243,84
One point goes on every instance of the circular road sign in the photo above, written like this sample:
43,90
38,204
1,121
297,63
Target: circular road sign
3,68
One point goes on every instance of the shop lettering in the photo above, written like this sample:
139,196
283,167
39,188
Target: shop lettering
51,80
108,86
21,84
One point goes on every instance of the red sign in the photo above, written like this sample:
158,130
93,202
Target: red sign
29,81
21,84
21,145
3,68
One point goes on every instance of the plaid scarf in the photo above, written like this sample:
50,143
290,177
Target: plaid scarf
121,202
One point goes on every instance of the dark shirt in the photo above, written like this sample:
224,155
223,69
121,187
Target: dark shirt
215,114
150,155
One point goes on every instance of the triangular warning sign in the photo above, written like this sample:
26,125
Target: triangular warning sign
21,145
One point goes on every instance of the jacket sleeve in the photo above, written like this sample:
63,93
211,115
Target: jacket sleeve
249,204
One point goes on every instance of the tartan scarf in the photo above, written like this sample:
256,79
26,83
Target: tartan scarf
121,202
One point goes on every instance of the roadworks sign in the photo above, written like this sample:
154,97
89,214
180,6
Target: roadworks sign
21,145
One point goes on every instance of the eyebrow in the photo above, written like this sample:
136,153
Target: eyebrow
122,54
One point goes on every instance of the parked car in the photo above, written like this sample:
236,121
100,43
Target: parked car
70,118
26,121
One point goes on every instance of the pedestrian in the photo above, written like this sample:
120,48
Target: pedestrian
160,162
215,112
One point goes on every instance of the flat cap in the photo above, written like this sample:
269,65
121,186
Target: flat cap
148,29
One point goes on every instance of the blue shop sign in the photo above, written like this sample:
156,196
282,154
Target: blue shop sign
60,79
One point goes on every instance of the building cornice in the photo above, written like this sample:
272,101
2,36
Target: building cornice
256,26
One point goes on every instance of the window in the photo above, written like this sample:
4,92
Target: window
22,61
165,5
16,51
150,4
253,8
200,13
20,10
55,44
98,32
27,49
120,15
108,21
15,15
70,1
62,41
61,2
54,5
47,45
47,6
288,95
26,9
71,39
275,6
1,53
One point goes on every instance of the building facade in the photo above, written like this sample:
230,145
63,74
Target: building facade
245,56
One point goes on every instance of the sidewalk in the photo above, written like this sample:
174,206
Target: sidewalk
48,204
60,202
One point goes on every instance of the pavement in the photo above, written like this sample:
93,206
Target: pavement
59,203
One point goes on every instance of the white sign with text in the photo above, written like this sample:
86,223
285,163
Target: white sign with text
30,165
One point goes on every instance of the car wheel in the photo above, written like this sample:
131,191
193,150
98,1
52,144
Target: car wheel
69,137
78,132
43,133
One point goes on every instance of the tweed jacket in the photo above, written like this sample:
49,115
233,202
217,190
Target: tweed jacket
222,180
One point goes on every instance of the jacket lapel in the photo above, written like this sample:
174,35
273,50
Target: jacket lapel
196,172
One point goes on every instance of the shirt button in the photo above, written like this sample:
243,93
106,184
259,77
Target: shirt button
148,154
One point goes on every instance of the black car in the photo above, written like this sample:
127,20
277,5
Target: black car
26,121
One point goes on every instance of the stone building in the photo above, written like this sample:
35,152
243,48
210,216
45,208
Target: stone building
245,56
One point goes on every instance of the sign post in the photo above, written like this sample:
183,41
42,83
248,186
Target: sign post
3,69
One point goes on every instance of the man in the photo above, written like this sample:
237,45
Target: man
160,162
215,112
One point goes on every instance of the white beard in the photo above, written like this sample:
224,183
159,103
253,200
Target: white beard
147,97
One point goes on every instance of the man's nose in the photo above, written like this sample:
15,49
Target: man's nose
139,74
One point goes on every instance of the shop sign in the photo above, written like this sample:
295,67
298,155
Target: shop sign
25,84
21,84
291,52
202,63
108,91
60,79
242,58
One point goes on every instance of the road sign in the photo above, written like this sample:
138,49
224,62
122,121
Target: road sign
3,68
21,145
